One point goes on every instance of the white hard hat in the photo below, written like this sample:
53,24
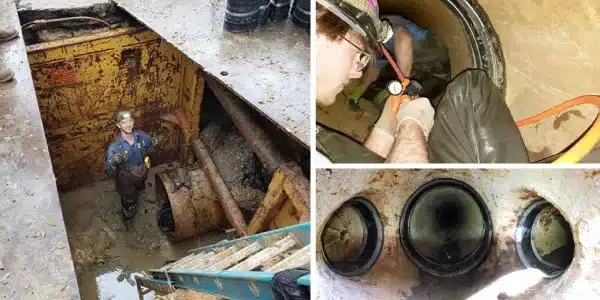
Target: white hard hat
363,16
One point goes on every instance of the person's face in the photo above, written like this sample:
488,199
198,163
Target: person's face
126,125
337,63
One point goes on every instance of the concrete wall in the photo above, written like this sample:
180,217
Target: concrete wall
506,192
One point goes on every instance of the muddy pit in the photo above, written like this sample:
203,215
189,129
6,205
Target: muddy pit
107,256
83,72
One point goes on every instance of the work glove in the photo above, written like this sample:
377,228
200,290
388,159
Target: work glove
118,158
419,110
354,98
154,141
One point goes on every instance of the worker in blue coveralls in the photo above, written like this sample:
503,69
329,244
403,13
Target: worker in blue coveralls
125,161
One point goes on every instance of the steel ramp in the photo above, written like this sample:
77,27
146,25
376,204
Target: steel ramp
237,269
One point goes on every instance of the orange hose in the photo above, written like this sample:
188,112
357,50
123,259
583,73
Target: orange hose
589,139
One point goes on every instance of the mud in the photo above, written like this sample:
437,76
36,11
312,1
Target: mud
105,254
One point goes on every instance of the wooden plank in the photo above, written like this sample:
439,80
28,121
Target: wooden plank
296,187
199,260
183,260
222,255
235,258
259,258
270,206
299,259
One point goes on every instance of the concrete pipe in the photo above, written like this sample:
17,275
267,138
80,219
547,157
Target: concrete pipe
459,234
194,204
537,59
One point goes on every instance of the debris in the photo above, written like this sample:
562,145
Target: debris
60,245
4,279
37,234
28,192
1,265
50,223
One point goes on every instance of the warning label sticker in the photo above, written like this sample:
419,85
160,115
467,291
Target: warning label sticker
61,76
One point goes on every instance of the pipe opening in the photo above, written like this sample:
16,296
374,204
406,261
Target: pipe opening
464,29
544,239
352,238
445,228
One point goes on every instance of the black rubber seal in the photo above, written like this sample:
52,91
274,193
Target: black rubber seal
371,247
525,251
467,264
486,50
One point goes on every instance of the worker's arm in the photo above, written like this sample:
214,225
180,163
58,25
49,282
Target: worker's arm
415,120
410,145
111,163
403,50
381,138
402,137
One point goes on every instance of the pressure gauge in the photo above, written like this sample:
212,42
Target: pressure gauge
395,87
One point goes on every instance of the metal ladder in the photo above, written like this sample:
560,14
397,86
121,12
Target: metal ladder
239,269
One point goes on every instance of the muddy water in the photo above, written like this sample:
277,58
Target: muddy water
106,255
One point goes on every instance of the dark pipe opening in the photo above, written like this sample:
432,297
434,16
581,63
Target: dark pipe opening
544,239
445,228
352,238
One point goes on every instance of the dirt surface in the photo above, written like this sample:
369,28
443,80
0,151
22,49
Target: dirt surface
106,255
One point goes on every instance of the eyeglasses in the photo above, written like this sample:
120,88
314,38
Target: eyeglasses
364,58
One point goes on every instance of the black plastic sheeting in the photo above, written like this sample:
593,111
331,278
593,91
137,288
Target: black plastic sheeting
246,15
284,285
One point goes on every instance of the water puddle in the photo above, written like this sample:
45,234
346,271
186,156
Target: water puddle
119,285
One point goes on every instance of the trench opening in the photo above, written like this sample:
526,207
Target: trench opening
352,239
445,228
463,30
544,239
83,72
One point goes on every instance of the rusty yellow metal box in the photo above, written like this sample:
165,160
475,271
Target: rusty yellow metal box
80,82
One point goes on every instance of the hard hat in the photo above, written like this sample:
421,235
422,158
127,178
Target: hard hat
123,115
363,16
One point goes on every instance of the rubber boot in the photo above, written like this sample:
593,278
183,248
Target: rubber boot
7,34
6,75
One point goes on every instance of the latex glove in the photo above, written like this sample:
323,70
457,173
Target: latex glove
387,121
381,139
419,110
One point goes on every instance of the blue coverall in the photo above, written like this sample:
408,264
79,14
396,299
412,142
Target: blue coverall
131,174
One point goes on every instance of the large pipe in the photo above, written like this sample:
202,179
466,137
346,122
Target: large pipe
232,211
255,137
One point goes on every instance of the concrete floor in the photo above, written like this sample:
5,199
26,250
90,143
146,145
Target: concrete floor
506,193
56,4
35,253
